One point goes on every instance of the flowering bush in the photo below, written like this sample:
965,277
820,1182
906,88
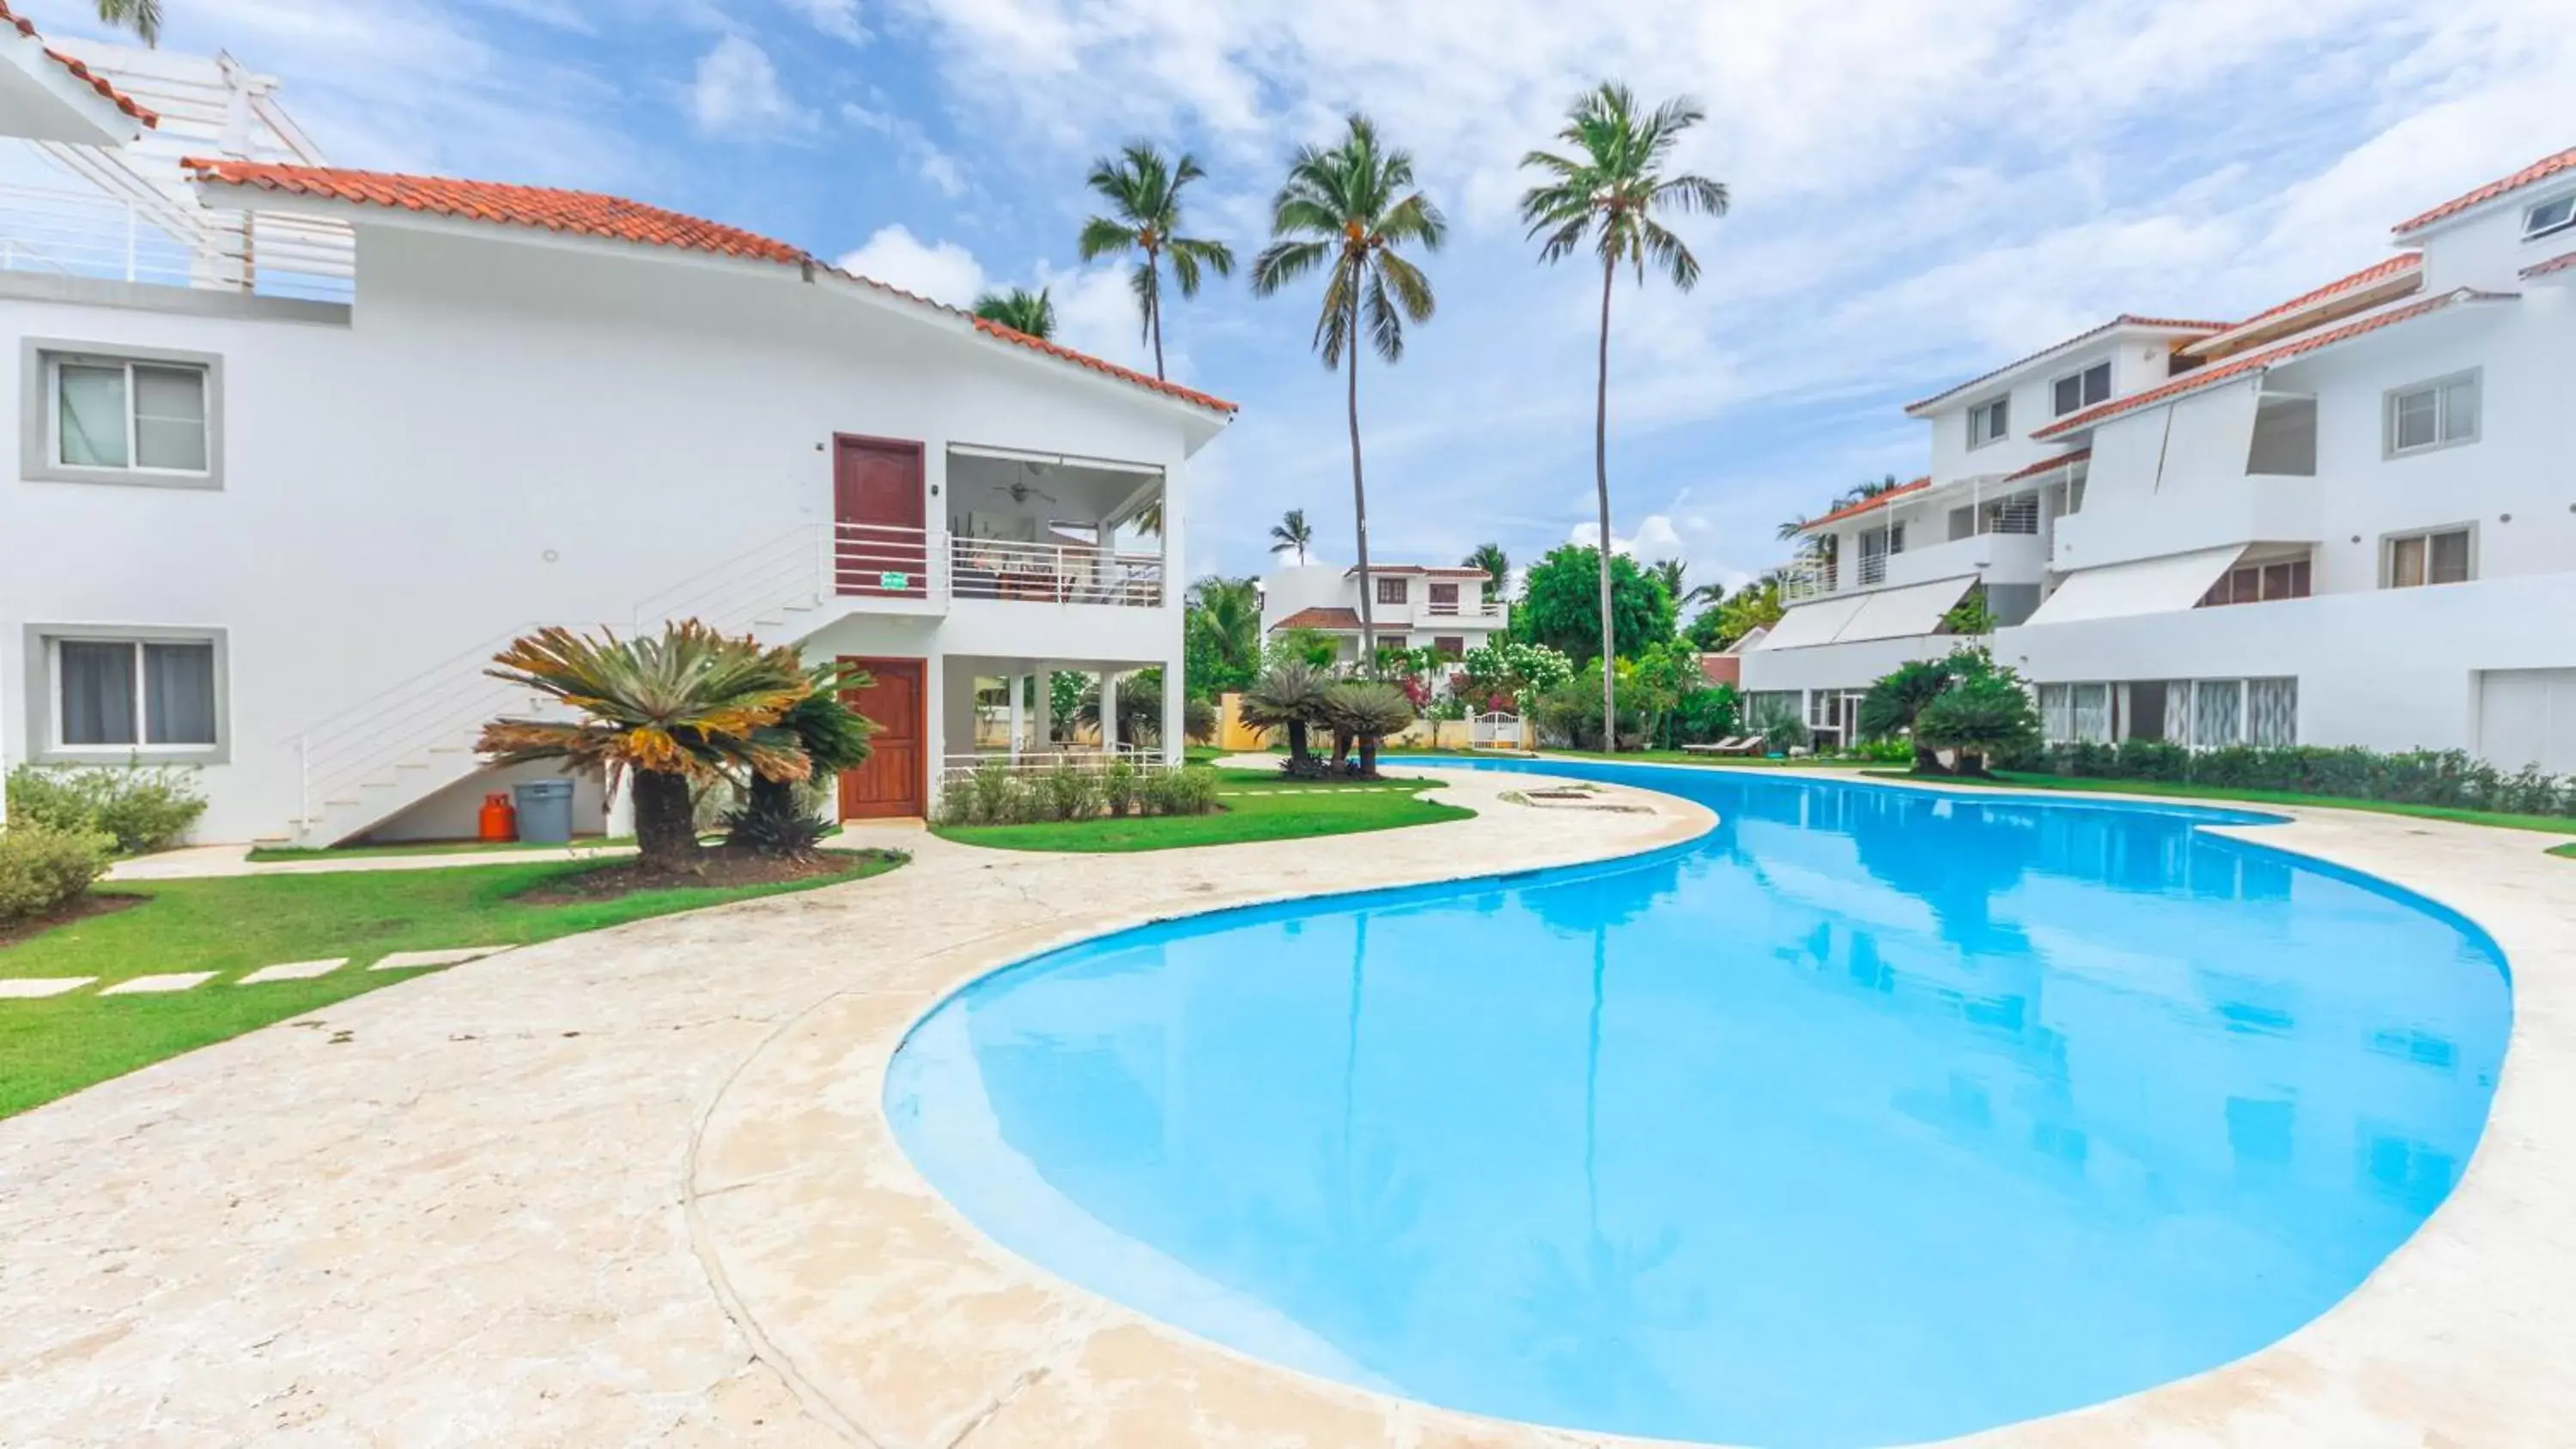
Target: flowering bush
1507,669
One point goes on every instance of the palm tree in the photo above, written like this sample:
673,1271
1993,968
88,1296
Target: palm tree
1289,696
1021,310
143,17
1368,710
1497,567
1668,572
1292,532
773,819
1857,493
1348,209
685,709
1609,195
1223,620
1144,195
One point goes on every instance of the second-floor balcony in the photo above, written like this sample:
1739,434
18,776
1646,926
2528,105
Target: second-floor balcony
1471,611
910,571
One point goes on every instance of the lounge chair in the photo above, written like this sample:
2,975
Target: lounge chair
1735,745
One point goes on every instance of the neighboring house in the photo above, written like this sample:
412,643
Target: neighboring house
2347,519
299,448
1417,607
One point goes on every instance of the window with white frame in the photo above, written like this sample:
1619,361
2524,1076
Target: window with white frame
2080,390
1989,422
2208,714
2075,713
118,693
2543,217
2436,556
114,415
2436,414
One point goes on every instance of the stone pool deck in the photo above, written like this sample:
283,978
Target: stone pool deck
635,1187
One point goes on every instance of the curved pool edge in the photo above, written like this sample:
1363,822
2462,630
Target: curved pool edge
874,1290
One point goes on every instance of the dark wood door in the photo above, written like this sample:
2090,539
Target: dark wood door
879,547
894,780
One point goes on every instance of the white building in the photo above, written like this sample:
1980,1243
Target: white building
1417,606
2347,519
299,448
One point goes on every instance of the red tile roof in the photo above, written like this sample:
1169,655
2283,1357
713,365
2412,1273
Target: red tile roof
2125,319
1850,510
2369,276
2256,361
97,82
2551,267
2048,465
2540,170
614,218
1319,619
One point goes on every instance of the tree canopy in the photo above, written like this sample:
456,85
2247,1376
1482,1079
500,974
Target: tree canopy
1560,604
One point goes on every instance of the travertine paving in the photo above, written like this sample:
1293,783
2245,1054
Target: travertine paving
636,1187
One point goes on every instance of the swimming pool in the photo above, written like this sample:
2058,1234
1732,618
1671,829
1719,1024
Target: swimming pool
1873,1116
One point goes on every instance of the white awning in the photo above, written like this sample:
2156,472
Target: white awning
1903,613
2149,586
1815,623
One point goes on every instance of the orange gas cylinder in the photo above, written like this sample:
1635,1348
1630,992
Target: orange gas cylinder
498,821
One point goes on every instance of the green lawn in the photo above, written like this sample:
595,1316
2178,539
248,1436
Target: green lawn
2550,824
1257,805
56,1045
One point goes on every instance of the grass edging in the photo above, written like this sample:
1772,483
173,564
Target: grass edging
53,1046
1254,805
2176,790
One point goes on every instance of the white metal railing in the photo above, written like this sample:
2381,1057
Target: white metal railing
1039,762
1054,573
141,239
1806,581
1496,730
1873,569
1452,609
881,561
730,597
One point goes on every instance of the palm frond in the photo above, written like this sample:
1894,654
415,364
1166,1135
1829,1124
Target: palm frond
1285,261
1411,289
1102,237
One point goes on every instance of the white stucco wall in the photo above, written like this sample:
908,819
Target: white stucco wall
509,433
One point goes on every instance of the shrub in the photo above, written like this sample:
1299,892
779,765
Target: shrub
140,807
1067,792
1190,790
46,867
1198,720
2419,777
1980,718
794,832
1120,788
1781,727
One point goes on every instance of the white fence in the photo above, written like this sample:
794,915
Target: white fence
1497,731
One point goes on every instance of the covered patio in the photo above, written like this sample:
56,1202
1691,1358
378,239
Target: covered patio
1008,709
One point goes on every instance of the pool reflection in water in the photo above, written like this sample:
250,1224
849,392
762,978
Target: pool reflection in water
1874,1116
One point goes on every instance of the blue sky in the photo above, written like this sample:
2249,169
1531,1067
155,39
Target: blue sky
1921,191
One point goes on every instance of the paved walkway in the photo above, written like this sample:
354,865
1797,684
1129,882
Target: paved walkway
635,1187
196,862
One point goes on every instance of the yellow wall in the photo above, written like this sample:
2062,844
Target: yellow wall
1231,732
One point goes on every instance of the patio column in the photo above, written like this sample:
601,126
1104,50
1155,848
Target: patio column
1043,735
1018,685
1109,711
1175,700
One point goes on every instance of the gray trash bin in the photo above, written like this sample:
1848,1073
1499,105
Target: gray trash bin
545,811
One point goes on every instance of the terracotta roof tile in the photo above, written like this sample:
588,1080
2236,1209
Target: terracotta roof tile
1319,619
97,82
2253,362
2369,276
1851,510
2551,267
2048,465
2125,319
2540,170
614,218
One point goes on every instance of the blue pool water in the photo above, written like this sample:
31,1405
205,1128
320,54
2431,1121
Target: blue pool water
1873,1116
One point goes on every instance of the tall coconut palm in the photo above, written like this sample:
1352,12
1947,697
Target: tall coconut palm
1669,573
1143,190
1021,310
1607,191
1292,532
143,17
1346,210
684,709
1497,567
1222,623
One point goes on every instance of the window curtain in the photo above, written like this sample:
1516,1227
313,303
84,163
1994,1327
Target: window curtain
2089,715
91,428
170,418
179,694
2178,712
97,682
2217,711
2056,721
2272,711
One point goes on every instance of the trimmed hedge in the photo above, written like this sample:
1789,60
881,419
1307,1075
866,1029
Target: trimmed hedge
45,867
2450,778
993,794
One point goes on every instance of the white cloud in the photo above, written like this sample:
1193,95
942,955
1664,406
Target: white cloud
737,93
942,271
836,18
926,158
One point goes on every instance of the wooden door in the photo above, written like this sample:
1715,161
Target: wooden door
879,546
894,781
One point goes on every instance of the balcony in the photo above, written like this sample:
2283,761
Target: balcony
154,239
1473,611
907,570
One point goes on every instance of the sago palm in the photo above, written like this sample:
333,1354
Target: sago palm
1607,191
1021,310
1367,710
1289,696
1346,211
1144,194
1292,532
684,709
1497,567
774,818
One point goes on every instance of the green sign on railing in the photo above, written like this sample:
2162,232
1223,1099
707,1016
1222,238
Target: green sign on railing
892,581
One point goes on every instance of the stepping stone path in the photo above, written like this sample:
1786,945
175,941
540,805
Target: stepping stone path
294,971
27,986
172,981
413,960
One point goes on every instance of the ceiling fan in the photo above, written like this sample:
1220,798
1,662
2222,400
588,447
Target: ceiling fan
1022,491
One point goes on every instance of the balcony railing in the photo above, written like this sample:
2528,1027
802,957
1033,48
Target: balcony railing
1053,573
1453,609
881,561
1873,569
163,242
1089,759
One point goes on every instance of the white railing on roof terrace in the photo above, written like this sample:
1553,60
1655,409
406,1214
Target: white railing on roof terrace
76,233
1803,581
